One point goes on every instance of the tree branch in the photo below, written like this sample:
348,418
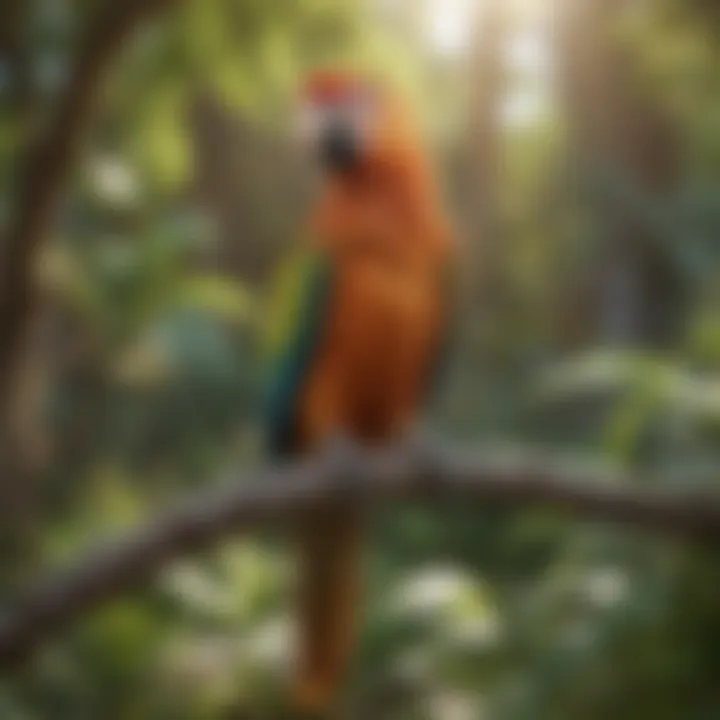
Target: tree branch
277,495
45,169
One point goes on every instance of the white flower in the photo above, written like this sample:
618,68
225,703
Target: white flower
113,180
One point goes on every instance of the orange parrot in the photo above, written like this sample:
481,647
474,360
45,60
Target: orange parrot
358,328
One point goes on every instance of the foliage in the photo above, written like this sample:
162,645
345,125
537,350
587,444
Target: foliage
152,291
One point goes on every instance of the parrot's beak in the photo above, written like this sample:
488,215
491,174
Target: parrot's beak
339,148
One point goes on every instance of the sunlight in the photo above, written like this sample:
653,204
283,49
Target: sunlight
524,108
449,24
527,59
527,52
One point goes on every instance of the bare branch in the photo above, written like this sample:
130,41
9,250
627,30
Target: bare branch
277,495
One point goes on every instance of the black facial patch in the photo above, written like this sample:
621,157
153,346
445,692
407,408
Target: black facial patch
339,148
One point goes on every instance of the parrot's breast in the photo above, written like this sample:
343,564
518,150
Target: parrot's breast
381,308
379,344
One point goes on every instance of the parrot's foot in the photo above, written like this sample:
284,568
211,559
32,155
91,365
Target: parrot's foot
424,447
421,440
346,458
342,448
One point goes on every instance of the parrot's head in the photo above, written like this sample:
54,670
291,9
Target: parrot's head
350,123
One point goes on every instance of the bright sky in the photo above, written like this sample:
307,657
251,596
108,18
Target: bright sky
449,24
449,27
528,60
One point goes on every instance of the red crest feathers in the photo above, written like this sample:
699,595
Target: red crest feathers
328,86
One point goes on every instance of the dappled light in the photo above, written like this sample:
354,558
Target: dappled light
529,189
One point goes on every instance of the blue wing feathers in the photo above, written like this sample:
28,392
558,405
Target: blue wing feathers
292,365
305,314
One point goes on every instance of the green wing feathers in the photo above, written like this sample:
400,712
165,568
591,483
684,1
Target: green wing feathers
297,315
298,311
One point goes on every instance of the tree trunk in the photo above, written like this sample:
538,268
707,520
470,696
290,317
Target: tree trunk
44,167
483,174
615,124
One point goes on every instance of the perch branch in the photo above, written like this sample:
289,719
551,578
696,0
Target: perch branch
276,495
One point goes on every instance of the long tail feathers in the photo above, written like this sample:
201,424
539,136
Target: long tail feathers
330,575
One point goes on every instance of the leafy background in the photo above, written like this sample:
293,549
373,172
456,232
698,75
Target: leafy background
579,149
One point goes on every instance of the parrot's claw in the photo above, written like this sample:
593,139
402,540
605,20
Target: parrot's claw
420,439
423,445
346,459
341,448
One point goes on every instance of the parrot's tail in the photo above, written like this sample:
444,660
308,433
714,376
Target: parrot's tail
330,575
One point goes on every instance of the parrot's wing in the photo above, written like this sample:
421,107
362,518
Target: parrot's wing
299,310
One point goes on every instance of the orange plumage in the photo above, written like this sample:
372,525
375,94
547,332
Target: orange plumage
390,245
383,230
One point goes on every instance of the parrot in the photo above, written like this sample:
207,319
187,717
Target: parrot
357,335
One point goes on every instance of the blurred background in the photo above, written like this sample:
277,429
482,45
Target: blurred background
578,146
